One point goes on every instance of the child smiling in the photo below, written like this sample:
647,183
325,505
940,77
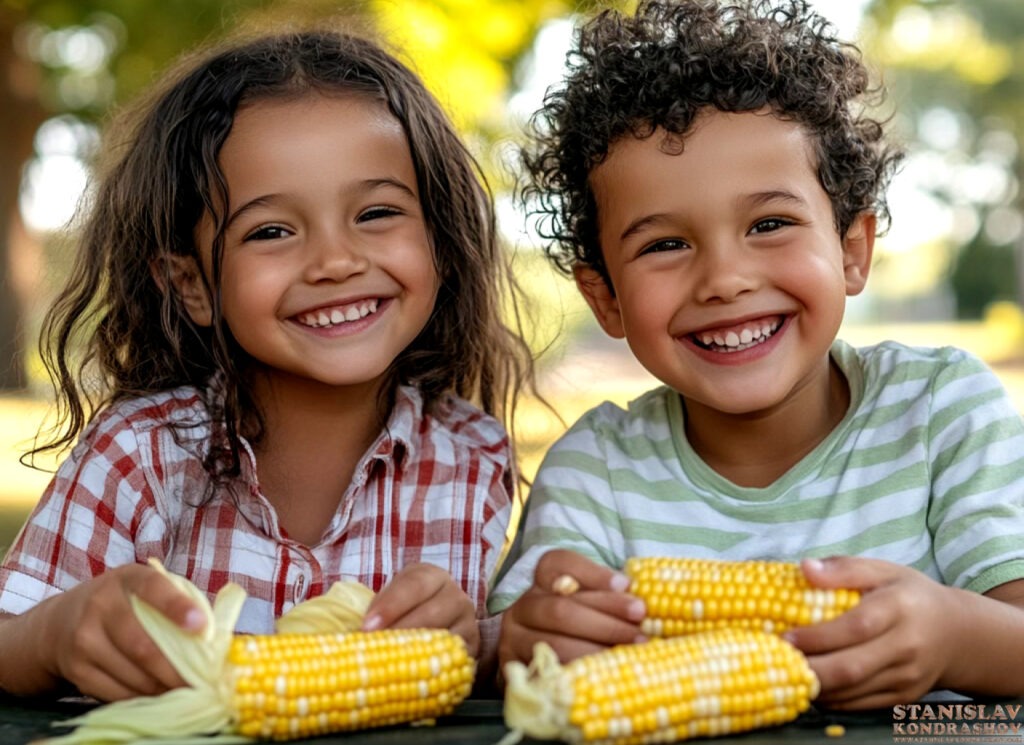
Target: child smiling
713,179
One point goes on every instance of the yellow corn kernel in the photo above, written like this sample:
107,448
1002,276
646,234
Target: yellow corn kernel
287,686
684,596
712,683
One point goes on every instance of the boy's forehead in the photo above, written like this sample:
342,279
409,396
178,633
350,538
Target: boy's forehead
726,125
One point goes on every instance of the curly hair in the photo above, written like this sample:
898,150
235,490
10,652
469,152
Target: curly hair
114,333
658,69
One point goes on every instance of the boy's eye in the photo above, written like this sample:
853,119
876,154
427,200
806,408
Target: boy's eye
268,233
769,225
376,213
670,244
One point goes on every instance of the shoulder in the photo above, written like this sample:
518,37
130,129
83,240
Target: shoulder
452,422
891,363
642,420
136,419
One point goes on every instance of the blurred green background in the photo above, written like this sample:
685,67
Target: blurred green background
950,271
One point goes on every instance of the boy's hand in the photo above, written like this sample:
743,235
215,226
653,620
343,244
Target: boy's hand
892,647
425,596
91,637
576,606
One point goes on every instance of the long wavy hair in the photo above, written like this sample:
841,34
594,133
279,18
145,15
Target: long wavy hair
114,333
630,75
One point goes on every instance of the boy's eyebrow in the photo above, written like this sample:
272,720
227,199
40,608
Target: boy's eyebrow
640,223
760,198
367,185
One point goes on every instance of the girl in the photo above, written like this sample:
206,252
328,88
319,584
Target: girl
288,286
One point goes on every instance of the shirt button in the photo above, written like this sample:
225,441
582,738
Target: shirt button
300,589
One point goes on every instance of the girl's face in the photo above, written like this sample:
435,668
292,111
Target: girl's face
730,278
328,272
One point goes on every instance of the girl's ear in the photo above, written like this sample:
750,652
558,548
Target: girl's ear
188,284
858,248
601,299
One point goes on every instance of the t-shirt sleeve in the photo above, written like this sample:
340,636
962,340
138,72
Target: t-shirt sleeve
571,506
976,444
88,519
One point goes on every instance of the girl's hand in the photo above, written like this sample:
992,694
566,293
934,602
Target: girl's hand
592,613
90,636
425,596
893,647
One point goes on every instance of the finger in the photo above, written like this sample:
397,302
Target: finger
442,611
590,616
568,648
160,593
411,588
868,620
558,564
850,572
142,653
109,674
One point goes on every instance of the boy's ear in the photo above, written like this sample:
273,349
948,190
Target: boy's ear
188,284
601,299
858,248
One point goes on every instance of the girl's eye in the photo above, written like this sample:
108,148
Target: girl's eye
770,225
670,244
377,213
268,233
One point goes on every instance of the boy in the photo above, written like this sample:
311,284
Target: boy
711,177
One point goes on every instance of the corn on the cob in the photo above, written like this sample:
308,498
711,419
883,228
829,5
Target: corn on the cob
286,685
299,685
688,595
712,683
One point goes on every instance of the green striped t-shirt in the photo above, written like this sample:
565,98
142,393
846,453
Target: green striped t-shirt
926,470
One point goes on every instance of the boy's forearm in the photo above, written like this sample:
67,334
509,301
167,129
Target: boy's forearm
24,671
988,647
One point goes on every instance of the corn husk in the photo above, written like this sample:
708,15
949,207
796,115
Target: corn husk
201,711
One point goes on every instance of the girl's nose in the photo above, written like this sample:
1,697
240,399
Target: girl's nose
335,257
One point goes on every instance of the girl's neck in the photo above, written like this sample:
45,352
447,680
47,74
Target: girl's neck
314,437
755,450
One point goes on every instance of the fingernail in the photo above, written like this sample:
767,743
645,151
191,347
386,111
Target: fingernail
194,620
639,639
789,636
619,582
636,610
371,623
816,565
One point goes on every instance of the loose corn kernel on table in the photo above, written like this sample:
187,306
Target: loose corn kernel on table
479,722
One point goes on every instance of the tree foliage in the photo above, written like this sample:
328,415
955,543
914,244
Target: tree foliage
956,68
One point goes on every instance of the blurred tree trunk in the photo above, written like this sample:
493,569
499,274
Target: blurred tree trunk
22,115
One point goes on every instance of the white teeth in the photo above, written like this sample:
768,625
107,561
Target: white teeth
335,316
735,342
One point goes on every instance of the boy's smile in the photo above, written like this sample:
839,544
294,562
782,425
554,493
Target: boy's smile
729,276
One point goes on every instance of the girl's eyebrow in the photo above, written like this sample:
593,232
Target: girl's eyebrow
367,185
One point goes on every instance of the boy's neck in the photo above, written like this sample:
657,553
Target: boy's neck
755,450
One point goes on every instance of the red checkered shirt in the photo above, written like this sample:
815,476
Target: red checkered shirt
433,488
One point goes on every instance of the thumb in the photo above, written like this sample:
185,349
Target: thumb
849,572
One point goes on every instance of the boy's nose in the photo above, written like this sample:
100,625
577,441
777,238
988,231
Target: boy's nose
724,273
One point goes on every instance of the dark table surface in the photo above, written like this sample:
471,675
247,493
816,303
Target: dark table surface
479,722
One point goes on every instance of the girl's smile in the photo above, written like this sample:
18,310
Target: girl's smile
327,269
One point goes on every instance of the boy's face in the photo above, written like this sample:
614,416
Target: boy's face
730,278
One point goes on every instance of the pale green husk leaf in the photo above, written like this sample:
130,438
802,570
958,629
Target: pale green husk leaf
180,714
535,697
338,610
